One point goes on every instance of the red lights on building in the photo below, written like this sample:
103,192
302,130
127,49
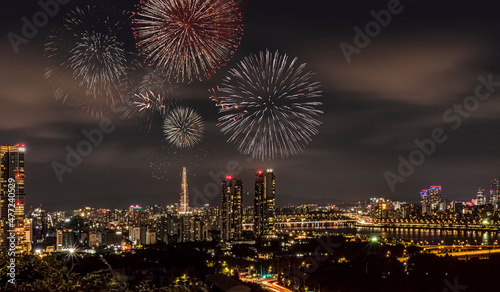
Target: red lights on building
18,175
229,177
259,172
18,204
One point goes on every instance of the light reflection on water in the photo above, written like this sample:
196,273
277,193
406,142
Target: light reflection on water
431,235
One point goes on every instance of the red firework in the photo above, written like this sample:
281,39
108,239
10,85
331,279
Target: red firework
188,39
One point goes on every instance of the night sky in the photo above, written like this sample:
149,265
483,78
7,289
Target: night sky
427,58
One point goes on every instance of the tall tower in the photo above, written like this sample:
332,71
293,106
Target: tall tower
265,191
232,209
184,204
12,173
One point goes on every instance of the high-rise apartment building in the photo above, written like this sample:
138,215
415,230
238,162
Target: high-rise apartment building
232,209
431,201
424,201
12,170
382,209
480,197
494,193
264,204
435,198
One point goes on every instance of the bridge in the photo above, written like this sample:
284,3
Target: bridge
308,225
429,226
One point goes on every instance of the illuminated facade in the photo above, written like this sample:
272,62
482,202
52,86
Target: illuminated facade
264,204
480,197
232,209
28,234
66,239
382,209
424,201
184,203
431,200
494,193
12,167
435,198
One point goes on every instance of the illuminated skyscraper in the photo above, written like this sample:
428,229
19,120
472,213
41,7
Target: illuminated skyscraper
431,201
265,191
184,204
12,167
232,209
435,198
494,193
424,201
480,197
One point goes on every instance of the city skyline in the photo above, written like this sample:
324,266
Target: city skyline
365,126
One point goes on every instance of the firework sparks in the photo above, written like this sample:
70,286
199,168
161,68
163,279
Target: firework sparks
268,106
98,62
88,61
150,102
152,108
183,127
165,160
188,39
153,96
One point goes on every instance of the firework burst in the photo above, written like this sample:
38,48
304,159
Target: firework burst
88,60
268,106
150,102
188,39
183,127
153,96
152,107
